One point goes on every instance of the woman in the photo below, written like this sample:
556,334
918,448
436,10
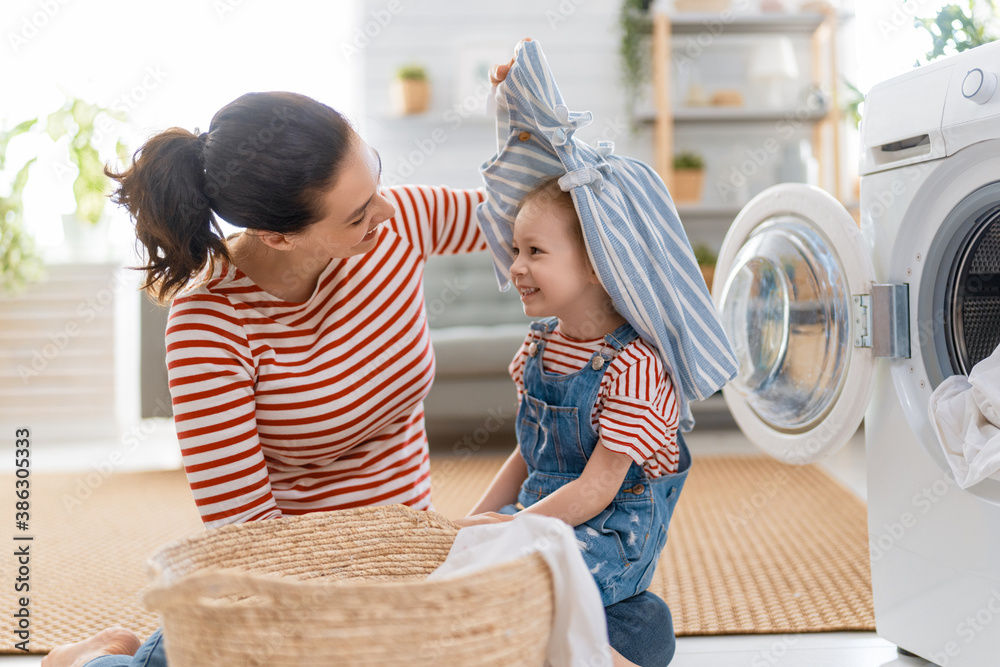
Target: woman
298,350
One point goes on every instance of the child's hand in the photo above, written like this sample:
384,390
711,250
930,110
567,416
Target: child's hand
482,519
499,72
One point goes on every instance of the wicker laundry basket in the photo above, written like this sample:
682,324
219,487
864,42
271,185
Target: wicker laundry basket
345,588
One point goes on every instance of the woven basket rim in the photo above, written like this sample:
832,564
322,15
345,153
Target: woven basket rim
168,586
156,596
157,562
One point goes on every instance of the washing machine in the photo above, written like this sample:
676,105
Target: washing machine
836,322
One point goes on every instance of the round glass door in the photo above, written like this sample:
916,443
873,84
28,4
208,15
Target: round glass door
788,271
787,313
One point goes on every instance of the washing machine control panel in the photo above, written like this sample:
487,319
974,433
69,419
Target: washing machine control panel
979,85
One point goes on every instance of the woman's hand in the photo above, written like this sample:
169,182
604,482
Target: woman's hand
482,519
499,72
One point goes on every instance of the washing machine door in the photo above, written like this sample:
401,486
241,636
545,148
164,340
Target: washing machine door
787,278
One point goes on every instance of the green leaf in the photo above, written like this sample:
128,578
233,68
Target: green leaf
21,179
954,29
56,124
6,136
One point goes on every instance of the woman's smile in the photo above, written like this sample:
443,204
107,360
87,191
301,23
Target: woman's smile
371,234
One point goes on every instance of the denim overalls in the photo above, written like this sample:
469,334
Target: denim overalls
622,544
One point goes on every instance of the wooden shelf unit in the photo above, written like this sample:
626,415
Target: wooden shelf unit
820,27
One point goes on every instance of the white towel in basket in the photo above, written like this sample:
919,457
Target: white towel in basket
579,631
965,412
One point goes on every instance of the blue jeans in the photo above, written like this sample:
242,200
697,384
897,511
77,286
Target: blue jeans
150,654
640,628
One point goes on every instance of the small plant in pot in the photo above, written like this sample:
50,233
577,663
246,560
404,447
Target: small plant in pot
86,126
689,178
20,262
411,90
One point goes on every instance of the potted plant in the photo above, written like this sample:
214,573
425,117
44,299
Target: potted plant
634,50
706,259
411,90
20,262
689,177
85,125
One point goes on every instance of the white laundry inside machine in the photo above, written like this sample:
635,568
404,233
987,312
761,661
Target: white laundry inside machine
833,324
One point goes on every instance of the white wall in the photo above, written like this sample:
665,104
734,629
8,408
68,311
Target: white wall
447,144
580,38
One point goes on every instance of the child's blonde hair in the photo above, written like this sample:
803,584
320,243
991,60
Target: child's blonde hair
548,191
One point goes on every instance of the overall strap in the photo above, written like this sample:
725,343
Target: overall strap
545,326
540,329
621,337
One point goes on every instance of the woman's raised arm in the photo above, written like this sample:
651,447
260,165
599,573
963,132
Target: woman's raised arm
437,220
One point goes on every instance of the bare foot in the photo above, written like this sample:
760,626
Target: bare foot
111,641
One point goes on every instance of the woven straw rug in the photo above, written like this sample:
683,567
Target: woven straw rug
755,547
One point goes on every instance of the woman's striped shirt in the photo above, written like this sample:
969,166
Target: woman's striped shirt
288,408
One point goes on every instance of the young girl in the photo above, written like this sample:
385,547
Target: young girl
592,241
598,445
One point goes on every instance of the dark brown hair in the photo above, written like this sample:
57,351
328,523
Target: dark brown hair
262,164
548,191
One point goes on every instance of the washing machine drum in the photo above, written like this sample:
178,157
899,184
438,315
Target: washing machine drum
973,292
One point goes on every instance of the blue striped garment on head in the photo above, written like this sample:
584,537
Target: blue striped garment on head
634,237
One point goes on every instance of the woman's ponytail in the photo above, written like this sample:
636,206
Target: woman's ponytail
164,191
264,164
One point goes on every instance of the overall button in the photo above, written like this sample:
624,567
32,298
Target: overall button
637,489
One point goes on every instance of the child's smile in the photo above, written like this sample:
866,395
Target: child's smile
527,292
552,272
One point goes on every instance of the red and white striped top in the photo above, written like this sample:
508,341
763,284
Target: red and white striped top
289,408
635,412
